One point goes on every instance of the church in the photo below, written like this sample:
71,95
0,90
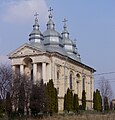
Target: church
53,55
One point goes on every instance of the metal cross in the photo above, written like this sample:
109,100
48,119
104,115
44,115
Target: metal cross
64,21
36,19
36,14
50,10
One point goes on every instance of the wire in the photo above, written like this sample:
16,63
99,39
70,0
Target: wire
104,73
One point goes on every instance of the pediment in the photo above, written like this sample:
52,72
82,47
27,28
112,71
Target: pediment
25,50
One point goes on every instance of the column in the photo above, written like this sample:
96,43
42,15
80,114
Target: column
49,71
34,72
14,72
21,69
91,86
91,90
13,68
44,71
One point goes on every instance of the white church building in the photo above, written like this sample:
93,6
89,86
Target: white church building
51,55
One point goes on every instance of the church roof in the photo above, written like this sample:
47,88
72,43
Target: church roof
52,41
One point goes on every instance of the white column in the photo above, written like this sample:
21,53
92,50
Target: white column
49,74
44,72
34,72
13,68
22,69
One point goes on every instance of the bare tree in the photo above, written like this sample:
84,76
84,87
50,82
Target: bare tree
105,89
5,80
28,88
10,82
18,79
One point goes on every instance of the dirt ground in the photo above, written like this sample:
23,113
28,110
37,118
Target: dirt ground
110,116
79,117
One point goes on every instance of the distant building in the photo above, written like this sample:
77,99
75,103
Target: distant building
51,55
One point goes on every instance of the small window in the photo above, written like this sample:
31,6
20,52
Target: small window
58,75
70,79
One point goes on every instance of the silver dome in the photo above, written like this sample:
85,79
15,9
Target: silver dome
36,37
53,41
69,45
52,38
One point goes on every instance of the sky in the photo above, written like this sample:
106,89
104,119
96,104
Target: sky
90,22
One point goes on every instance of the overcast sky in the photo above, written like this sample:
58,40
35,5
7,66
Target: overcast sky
91,22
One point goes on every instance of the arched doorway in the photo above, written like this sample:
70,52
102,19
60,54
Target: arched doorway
28,67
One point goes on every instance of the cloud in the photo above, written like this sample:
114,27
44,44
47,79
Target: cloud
4,59
23,10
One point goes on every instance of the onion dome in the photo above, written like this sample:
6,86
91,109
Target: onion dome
36,37
52,38
69,45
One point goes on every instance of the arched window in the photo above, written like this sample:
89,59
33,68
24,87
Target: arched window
58,75
77,77
70,79
77,81
83,78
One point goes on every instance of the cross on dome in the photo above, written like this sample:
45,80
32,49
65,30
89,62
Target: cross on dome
36,18
50,10
36,14
64,20
65,26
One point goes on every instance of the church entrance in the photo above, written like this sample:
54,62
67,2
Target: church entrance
28,67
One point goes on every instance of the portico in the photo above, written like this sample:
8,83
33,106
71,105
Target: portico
36,71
